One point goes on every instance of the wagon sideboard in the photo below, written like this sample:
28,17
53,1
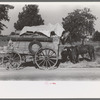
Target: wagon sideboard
21,43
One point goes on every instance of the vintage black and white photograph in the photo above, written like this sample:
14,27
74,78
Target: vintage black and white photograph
41,41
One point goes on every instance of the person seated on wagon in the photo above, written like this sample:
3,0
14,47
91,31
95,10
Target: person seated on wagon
64,37
10,46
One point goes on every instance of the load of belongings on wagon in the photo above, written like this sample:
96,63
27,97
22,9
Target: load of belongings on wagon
46,30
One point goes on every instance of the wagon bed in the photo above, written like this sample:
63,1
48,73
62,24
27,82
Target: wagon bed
45,57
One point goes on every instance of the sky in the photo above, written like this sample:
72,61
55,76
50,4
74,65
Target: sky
51,12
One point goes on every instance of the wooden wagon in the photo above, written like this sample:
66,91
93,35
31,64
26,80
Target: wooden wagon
44,52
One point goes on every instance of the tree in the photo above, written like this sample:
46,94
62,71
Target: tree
79,23
29,17
4,15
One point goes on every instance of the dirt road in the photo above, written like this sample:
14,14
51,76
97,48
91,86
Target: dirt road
60,74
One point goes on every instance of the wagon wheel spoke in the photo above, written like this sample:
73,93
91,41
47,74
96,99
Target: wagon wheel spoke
41,62
6,59
48,63
46,52
39,58
16,58
51,54
42,53
51,61
53,58
14,55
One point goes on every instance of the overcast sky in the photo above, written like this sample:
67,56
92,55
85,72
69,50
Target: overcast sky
52,12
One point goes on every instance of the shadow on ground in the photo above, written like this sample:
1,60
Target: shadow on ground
28,64
31,64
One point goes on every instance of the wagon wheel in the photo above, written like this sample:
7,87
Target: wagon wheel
46,58
12,60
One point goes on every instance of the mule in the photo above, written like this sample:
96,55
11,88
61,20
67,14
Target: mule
65,54
72,53
69,54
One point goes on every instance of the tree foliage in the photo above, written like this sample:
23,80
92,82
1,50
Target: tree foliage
4,15
78,23
29,17
96,36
